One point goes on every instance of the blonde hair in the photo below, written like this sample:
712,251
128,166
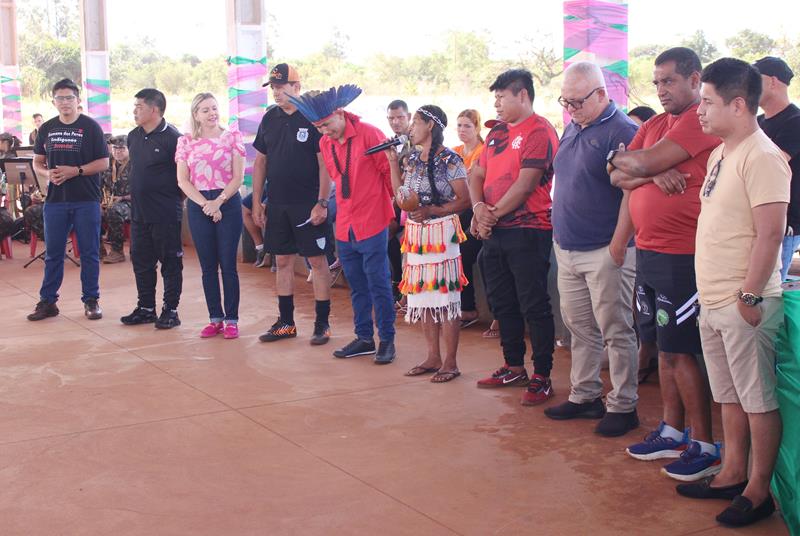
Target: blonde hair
200,97
475,117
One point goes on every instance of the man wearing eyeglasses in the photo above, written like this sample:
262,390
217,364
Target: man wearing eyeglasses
592,234
739,235
71,153
664,168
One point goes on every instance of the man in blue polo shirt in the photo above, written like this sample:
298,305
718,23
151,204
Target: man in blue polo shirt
592,232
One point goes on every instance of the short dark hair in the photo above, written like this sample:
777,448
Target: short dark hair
398,104
153,97
733,78
643,113
515,80
37,115
66,83
686,60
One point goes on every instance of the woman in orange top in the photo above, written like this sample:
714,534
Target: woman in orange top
469,132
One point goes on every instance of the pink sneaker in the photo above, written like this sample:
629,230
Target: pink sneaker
211,330
231,331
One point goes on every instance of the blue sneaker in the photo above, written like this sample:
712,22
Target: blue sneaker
694,464
655,447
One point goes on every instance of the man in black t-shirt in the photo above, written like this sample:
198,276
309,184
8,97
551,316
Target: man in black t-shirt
157,209
781,122
298,187
70,153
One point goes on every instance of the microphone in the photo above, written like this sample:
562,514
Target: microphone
397,140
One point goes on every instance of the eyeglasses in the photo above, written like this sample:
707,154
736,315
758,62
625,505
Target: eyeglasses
712,178
64,98
578,103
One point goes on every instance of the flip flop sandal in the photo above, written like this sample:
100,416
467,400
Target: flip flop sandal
419,371
491,334
446,376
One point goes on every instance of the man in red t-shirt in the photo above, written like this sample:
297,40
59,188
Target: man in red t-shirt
664,167
363,212
510,191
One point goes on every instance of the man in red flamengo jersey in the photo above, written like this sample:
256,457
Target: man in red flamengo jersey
510,191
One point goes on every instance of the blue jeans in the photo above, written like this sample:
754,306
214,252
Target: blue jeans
790,245
366,266
217,245
59,220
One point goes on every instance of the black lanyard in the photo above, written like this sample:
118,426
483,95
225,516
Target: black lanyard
346,173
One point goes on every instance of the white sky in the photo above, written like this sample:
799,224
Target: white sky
407,27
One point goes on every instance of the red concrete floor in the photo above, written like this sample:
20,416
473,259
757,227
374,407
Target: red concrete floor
114,430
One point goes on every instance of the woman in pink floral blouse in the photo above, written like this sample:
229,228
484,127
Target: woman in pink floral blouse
210,172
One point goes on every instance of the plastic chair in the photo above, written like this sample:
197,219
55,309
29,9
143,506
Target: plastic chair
6,249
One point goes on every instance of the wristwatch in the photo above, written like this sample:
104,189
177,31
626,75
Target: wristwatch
749,299
611,154
323,203
80,170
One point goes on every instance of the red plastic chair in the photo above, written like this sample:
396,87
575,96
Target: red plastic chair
72,236
6,249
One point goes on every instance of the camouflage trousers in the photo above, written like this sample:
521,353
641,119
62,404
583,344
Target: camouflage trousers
114,219
34,219
6,222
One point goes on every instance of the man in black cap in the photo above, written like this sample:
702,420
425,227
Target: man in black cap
118,210
298,189
781,122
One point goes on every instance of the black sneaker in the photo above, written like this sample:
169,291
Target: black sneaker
168,319
355,348
617,424
43,310
279,330
139,315
92,310
570,410
322,334
386,353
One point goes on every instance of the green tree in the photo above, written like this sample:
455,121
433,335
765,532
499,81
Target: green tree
749,45
646,51
53,58
705,49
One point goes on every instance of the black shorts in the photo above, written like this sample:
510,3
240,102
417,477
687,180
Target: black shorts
667,307
286,236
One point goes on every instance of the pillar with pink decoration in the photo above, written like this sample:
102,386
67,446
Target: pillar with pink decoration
247,66
9,69
597,31
94,62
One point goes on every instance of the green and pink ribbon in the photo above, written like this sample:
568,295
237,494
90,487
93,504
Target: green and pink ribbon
99,102
246,106
12,103
597,31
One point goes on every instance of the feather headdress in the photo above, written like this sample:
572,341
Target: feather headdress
316,107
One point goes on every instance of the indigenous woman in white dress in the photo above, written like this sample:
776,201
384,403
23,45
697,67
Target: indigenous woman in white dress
432,188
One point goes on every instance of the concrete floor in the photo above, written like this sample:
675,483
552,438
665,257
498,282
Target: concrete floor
115,430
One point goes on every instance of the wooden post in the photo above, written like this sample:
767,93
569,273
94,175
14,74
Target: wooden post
9,69
94,61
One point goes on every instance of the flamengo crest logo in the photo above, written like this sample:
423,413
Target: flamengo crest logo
517,143
302,134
